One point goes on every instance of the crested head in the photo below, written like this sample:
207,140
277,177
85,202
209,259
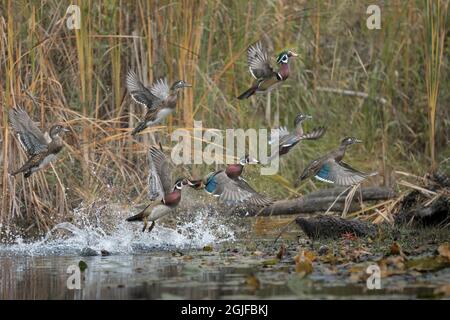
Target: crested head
248,160
284,56
56,130
300,118
180,183
180,84
349,141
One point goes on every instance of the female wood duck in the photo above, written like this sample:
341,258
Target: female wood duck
287,140
41,148
260,68
160,99
230,187
331,169
160,185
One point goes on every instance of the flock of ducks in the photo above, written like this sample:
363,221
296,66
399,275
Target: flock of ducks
227,184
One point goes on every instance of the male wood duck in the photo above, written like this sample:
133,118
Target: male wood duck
160,99
287,140
41,148
331,169
261,69
230,187
161,187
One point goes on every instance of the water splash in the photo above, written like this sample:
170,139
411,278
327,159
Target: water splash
106,229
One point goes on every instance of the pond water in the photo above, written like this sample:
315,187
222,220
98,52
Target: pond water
200,259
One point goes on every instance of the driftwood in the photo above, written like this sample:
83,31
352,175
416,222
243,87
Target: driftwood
414,212
334,227
417,209
321,200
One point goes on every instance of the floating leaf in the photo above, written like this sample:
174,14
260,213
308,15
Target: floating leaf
281,252
444,250
208,248
270,262
253,282
82,265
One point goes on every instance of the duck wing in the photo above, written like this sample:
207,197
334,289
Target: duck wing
259,62
340,173
140,93
30,136
160,176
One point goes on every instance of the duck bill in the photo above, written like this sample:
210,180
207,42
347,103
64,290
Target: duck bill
196,184
66,130
358,141
187,85
293,54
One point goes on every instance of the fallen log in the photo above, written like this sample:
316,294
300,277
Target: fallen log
321,200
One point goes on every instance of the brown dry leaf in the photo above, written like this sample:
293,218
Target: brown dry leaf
444,250
311,256
253,282
281,253
392,265
303,263
443,291
188,257
395,249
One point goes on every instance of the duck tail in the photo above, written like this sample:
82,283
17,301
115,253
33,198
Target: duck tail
248,93
141,126
137,217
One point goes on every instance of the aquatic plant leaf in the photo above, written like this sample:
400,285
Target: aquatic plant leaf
82,265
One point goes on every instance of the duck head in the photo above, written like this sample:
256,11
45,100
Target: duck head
248,160
57,130
283,57
300,118
180,84
179,184
347,141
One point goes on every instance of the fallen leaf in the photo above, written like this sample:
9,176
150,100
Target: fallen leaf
82,265
303,262
270,262
395,249
253,282
208,248
444,250
281,252
443,291
310,255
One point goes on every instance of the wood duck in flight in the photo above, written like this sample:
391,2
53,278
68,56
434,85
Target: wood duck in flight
160,187
229,186
160,99
331,169
42,149
287,140
261,69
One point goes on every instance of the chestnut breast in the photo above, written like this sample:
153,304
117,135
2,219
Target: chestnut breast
284,71
234,170
172,198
